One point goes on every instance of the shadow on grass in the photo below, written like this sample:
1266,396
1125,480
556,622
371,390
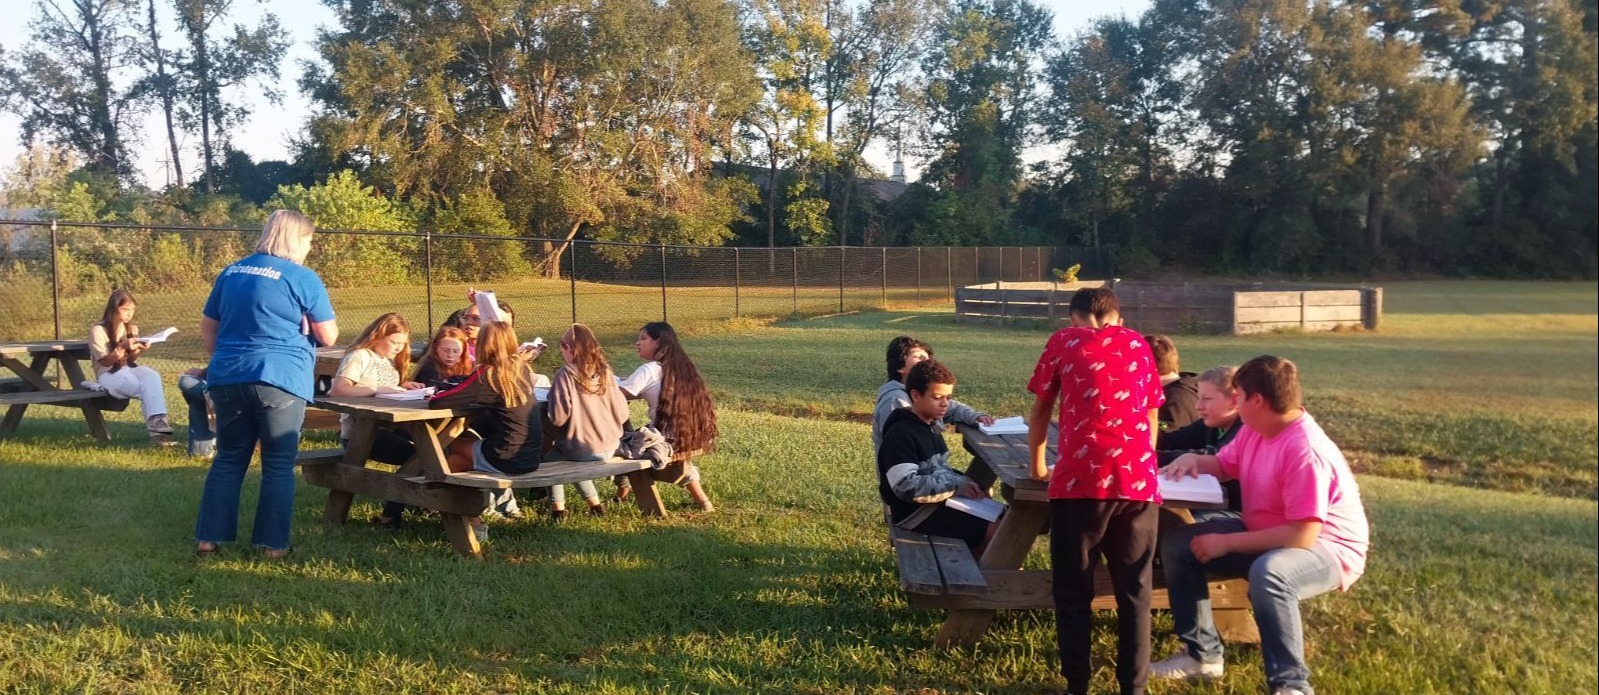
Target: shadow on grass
84,548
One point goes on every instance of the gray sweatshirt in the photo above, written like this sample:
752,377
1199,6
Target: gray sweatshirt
586,425
892,396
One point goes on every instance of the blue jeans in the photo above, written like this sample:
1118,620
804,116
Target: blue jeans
202,441
247,413
1278,580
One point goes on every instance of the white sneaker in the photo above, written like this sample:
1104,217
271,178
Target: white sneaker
1287,691
1181,666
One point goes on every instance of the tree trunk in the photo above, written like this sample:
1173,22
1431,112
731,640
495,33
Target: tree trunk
165,85
1374,212
771,200
109,155
552,262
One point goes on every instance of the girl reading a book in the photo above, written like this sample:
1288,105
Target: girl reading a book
499,394
372,365
114,346
445,363
585,413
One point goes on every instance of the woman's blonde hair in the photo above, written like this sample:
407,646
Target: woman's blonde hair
588,358
381,328
287,235
502,365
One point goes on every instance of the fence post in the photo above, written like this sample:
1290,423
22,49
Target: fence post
55,281
735,281
885,277
571,274
662,248
794,251
918,275
949,271
427,270
841,257
977,266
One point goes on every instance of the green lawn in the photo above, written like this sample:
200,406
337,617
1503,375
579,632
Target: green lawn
789,587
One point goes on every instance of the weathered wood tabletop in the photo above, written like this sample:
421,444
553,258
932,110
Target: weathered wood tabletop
37,389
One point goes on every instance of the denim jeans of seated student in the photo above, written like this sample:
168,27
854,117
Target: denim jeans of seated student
246,414
1278,580
202,441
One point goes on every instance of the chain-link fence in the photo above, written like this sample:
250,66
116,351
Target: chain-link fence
55,277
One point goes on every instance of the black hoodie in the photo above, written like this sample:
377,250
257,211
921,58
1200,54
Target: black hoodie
1182,396
913,465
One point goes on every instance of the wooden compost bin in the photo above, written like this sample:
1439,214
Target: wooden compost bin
1189,307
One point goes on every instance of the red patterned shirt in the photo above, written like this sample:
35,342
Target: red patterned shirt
1106,383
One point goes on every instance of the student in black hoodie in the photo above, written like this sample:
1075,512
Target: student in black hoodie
913,472
1181,388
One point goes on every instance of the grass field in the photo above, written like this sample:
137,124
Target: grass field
789,586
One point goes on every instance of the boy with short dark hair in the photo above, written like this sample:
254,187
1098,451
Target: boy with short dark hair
913,472
1103,496
1303,532
904,353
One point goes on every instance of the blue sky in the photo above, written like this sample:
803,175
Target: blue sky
266,134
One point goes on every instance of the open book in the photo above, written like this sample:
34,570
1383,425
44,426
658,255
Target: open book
1009,425
488,308
533,344
1205,489
158,336
986,508
421,394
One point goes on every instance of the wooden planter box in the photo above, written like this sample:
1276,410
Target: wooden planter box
1182,307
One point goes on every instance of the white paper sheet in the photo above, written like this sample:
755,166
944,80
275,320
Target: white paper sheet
1009,425
986,509
1205,489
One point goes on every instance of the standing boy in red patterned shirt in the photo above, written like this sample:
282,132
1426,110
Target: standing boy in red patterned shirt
1103,495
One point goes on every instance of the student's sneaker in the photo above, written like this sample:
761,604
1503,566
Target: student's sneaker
163,440
482,533
1181,666
1287,691
158,423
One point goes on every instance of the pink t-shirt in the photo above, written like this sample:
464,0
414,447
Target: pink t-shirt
1297,475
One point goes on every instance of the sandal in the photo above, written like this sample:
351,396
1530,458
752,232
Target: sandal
281,553
202,552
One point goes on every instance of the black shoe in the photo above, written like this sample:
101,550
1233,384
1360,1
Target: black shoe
558,515
597,510
391,525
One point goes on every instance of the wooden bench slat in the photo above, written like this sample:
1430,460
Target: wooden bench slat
918,566
318,457
49,397
549,473
955,562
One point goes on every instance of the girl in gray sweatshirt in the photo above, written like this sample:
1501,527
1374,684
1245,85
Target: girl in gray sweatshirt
584,414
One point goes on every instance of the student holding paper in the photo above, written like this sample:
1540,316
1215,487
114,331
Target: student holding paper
372,365
114,344
914,477
1103,496
904,353
1303,531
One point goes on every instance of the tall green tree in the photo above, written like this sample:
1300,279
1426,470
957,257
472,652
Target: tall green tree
602,117
71,82
217,61
979,112
794,53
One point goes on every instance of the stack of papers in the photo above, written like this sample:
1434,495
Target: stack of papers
1205,489
987,509
411,395
1010,425
541,394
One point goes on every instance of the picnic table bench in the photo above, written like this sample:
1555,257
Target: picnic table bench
30,386
938,572
425,480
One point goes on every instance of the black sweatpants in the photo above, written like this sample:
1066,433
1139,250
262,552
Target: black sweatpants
1124,533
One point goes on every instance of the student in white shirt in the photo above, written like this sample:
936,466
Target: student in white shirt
679,403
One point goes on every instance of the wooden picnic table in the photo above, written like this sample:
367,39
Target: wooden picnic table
34,388
1008,586
425,480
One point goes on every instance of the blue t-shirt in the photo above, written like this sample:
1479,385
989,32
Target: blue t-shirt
259,303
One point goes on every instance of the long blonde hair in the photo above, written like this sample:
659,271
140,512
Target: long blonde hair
502,365
588,358
381,328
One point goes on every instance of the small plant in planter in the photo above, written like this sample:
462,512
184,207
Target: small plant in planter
1067,276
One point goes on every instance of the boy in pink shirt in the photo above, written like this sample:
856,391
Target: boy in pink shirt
1303,531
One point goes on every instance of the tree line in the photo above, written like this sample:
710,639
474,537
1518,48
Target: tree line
1300,137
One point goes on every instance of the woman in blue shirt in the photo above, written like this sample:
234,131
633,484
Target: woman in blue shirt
262,323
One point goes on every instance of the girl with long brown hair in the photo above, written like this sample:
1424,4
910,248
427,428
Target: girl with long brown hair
113,346
500,393
680,405
446,360
585,414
